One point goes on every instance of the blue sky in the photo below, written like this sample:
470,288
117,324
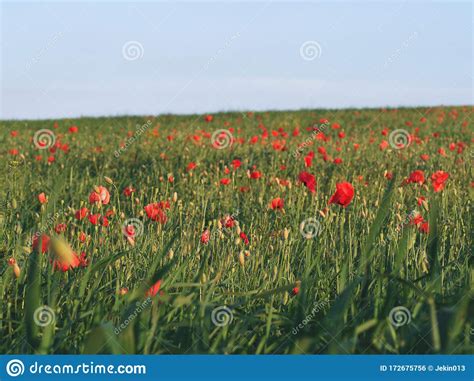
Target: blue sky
64,59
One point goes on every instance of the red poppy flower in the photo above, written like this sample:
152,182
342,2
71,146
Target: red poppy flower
438,180
129,231
343,195
66,258
73,129
128,191
277,203
191,166
94,218
255,175
155,211
81,213
244,237
44,242
337,160
425,227
416,177
384,145
82,237
278,145
236,163
83,261
205,236
64,266
308,160
42,198
153,290
60,228
99,195
109,213
208,118
228,222
308,180
420,200
225,181
424,157
417,220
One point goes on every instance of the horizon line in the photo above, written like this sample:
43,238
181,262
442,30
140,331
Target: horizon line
235,111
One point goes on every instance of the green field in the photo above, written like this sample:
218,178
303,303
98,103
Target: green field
389,273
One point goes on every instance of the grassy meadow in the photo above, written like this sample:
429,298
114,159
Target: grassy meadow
214,234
